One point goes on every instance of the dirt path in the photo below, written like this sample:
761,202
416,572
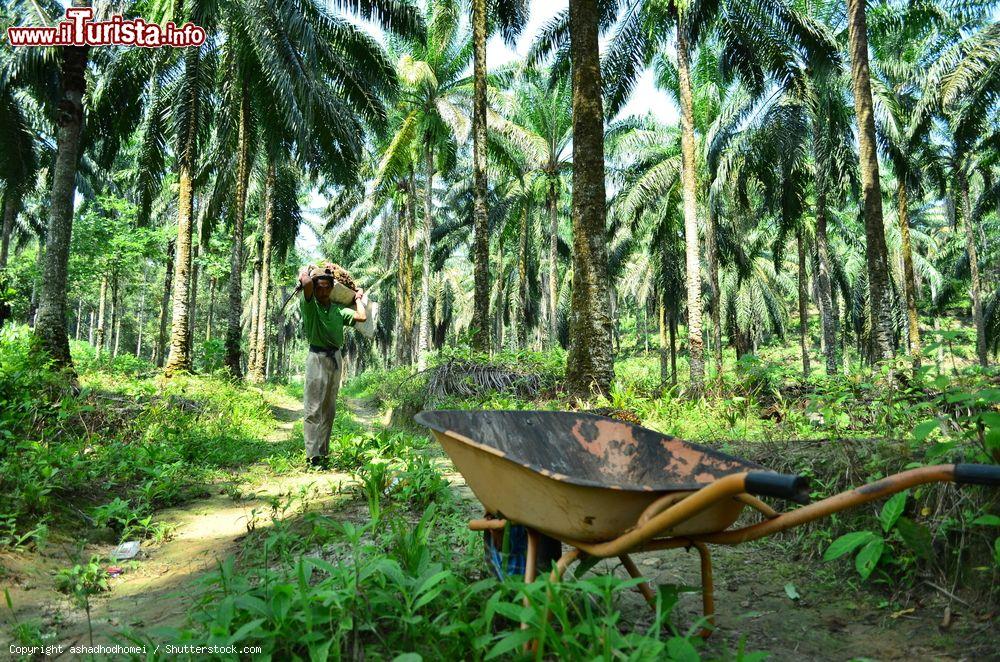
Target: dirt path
164,581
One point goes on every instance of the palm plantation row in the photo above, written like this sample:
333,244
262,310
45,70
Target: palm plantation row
822,157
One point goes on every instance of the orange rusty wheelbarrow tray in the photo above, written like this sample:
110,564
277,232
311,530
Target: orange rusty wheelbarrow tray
607,488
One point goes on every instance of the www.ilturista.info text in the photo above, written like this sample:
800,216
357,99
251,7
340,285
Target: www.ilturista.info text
78,29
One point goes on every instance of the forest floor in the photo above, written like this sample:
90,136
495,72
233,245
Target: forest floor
826,620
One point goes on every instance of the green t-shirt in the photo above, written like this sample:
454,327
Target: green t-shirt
324,327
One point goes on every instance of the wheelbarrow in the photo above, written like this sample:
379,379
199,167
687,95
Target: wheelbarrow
609,489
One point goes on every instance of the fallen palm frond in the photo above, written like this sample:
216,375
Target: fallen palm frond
469,378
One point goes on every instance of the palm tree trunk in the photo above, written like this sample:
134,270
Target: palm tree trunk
141,320
180,358
252,317
404,287
258,371
692,259
79,318
672,319
826,306
101,306
425,279
50,325
661,315
116,315
976,284
553,265
193,294
590,364
520,321
712,248
211,307
875,251
161,337
481,242
10,206
909,281
803,304
233,328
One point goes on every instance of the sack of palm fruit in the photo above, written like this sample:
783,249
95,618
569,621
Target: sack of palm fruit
344,286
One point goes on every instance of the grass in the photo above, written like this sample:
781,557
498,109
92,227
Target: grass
124,446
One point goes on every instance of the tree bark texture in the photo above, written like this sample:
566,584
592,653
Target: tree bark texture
480,213
590,364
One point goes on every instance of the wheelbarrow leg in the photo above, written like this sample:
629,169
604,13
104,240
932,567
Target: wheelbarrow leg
707,598
644,587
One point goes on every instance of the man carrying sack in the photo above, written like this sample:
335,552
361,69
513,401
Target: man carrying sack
323,322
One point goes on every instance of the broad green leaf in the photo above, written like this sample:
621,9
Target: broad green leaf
924,429
408,657
680,649
892,509
916,536
847,543
510,642
791,592
986,520
868,557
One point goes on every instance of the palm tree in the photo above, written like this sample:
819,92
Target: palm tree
962,87
543,114
871,195
432,123
757,39
50,326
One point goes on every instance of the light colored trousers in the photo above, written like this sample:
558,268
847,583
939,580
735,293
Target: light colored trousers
320,405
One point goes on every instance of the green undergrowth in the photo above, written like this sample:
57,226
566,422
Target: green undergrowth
396,574
109,454
841,432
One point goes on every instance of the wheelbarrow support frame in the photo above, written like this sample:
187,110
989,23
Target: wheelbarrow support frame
652,530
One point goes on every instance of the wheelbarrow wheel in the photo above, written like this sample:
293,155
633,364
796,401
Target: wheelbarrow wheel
549,551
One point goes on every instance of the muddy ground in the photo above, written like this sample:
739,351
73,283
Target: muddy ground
830,619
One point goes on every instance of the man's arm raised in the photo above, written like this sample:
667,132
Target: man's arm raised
307,284
360,313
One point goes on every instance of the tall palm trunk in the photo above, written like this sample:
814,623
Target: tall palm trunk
161,336
712,249
825,286
10,206
404,285
909,281
252,316
180,358
50,325
425,279
692,259
258,371
141,320
211,307
553,265
803,303
101,305
193,293
661,315
519,321
590,364
875,251
976,284
481,242
233,328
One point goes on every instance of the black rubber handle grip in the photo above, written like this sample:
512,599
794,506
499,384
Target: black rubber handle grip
783,486
978,474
